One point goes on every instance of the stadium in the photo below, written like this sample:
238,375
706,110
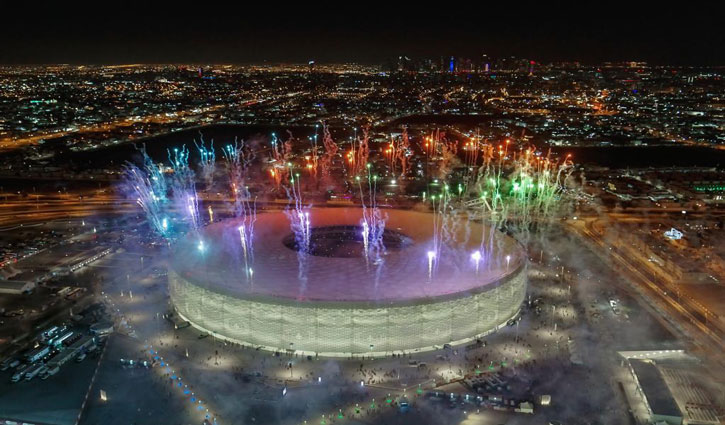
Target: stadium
437,282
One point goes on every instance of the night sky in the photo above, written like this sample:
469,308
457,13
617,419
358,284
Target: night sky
684,33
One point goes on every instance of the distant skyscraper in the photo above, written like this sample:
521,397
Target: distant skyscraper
405,63
485,63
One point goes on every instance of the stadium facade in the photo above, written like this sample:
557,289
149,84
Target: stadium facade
344,304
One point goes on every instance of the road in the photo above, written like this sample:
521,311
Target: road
38,208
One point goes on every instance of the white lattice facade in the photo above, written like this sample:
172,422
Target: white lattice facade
339,329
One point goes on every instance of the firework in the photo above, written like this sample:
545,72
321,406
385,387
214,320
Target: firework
330,153
237,160
299,219
183,186
148,199
431,259
505,185
476,257
149,185
207,161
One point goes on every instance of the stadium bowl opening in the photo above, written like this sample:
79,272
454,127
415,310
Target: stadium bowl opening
333,299
344,241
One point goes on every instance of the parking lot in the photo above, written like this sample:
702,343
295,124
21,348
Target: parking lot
56,400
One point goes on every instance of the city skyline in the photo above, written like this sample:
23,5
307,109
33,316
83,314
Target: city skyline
548,33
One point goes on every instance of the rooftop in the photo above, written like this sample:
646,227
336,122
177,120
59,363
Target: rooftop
402,273
655,388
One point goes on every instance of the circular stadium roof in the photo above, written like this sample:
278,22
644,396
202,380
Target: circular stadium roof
340,273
